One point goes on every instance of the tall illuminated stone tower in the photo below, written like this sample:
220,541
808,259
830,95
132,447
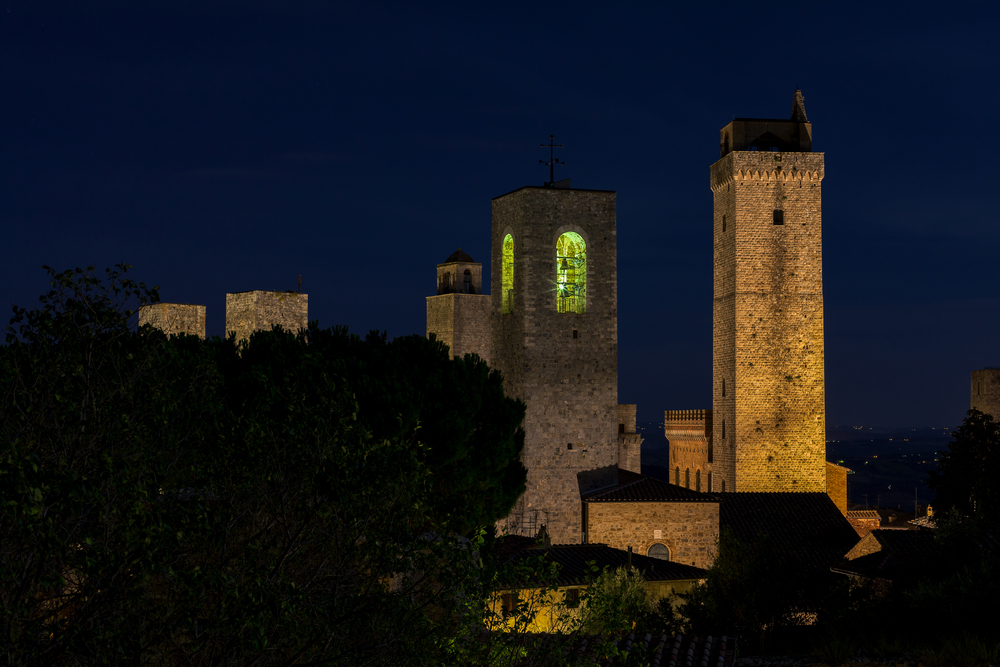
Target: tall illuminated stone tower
769,414
554,310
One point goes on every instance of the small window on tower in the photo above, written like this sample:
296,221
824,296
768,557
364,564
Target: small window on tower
723,223
621,428
571,273
723,429
723,386
507,274
467,287
687,478
779,217
569,445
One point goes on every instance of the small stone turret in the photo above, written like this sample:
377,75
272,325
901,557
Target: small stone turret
459,314
689,433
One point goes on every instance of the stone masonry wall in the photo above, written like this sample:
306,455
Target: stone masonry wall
247,312
768,322
629,442
836,485
986,391
689,433
462,322
174,318
564,366
689,530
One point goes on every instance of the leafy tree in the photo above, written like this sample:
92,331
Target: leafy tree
967,480
290,500
748,591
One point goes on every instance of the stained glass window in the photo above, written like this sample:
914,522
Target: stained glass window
571,274
507,289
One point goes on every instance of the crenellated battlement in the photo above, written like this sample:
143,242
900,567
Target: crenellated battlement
688,416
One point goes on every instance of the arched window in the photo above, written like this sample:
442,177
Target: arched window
677,476
697,480
467,287
659,551
507,286
687,478
447,283
571,274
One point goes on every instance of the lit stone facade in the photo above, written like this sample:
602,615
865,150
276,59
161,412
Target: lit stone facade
689,529
768,364
459,314
247,312
836,485
174,318
629,441
689,433
564,366
986,391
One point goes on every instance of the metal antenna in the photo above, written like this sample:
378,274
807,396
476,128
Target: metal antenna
552,160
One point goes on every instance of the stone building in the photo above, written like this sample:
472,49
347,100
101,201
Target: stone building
986,391
247,312
768,423
459,314
174,318
555,339
654,518
629,440
690,435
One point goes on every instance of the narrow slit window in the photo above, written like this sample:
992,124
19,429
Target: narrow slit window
723,386
779,217
687,478
467,287
723,223
507,279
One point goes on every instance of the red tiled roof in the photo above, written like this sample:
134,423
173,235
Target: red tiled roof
633,487
806,528
663,651
574,563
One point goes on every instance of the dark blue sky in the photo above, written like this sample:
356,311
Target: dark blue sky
231,146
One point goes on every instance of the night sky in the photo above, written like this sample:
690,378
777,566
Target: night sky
232,146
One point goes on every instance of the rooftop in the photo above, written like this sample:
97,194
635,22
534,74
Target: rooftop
633,487
574,563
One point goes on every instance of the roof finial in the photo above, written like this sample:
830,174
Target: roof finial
799,106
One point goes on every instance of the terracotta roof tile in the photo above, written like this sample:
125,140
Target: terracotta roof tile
574,560
807,528
633,487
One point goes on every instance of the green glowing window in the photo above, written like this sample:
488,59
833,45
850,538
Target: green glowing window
507,288
571,274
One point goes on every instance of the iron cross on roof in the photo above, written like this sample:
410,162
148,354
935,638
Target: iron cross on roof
551,164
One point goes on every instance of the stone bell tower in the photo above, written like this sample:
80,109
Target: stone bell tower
459,314
768,405
555,339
